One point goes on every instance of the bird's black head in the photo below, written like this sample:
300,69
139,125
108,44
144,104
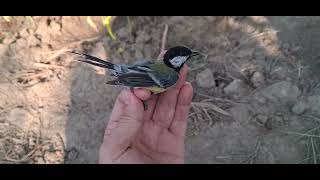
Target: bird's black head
176,57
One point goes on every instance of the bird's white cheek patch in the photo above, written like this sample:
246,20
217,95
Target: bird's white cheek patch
178,61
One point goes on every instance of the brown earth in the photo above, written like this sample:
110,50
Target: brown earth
257,88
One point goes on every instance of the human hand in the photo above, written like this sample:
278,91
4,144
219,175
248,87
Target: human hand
156,135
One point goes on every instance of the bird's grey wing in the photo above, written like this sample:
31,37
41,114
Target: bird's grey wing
137,67
141,63
141,66
145,80
134,80
140,74
164,80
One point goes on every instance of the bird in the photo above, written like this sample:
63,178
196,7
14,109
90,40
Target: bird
156,76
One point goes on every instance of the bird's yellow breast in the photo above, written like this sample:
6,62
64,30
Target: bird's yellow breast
156,90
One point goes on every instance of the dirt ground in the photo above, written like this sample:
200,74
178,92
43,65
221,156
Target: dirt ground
256,99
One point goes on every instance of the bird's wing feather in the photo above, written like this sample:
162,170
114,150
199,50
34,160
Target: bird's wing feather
146,74
164,80
143,66
142,63
145,80
134,80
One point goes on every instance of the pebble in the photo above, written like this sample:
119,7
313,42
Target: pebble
237,86
205,79
262,119
299,108
257,79
38,153
72,154
39,160
282,91
240,113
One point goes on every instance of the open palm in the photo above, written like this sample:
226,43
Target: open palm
153,136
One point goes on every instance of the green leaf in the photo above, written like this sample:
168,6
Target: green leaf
106,20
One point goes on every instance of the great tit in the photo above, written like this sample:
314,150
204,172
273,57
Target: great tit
156,76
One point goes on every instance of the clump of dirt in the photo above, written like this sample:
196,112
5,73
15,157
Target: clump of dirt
254,92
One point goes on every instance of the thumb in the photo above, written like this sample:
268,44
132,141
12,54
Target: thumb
124,123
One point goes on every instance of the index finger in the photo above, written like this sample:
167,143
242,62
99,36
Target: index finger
182,77
179,124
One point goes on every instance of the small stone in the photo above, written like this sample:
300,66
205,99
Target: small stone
55,27
283,91
262,119
299,108
38,153
240,113
257,79
205,79
72,154
39,160
237,86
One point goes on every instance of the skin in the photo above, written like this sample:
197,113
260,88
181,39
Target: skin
153,136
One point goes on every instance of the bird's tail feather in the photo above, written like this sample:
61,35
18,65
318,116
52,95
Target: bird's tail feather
94,60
